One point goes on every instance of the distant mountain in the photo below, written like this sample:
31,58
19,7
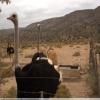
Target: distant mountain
76,26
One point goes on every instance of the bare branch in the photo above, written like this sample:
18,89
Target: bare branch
6,1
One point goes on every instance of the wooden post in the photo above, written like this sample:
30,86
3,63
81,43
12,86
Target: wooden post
41,95
98,59
38,44
98,71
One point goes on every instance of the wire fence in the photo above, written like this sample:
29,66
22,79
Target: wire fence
40,93
39,78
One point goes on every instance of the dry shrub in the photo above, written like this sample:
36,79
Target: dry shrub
71,45
76,54
98,49
29,56
7,72
59,45
2,64
77,46
63,92
11,93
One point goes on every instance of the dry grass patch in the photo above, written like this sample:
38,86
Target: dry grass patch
62,92
11,93
5,73
76,54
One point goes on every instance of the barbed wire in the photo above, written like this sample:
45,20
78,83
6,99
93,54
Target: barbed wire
28,92
41,92
39,77
48,93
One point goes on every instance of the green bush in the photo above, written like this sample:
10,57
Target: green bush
62,92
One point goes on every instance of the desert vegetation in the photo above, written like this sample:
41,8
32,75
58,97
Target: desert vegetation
63,92
76,54
72,39
61,56
11,93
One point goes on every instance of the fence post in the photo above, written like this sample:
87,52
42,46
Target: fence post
41,94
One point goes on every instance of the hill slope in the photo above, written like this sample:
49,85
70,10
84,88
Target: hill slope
78,25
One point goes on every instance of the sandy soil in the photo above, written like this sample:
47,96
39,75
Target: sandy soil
78,89
65,56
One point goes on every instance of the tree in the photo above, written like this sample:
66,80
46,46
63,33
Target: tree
6,1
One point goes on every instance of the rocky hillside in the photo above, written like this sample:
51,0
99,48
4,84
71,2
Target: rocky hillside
76,26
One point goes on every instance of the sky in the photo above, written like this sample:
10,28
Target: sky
30,11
